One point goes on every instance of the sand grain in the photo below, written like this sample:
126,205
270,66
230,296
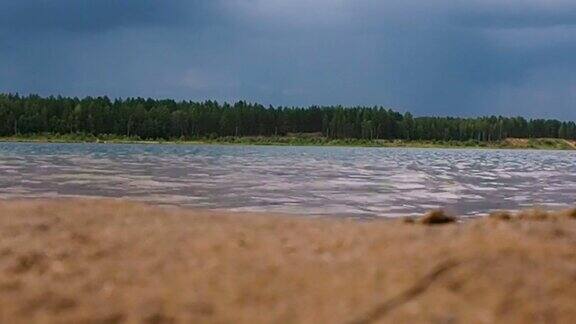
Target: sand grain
112,262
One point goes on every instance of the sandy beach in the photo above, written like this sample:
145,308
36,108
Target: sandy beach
105,261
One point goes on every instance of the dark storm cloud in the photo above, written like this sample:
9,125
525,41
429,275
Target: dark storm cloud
429,57
518,18
94,15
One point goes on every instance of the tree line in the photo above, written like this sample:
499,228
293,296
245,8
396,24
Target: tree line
170,119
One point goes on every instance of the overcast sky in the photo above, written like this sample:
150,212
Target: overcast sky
431,57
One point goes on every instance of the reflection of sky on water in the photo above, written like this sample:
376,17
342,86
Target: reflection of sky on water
308,180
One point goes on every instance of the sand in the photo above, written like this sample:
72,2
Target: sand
98,261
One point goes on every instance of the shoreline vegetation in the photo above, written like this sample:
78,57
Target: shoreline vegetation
131,262
303,140
139,120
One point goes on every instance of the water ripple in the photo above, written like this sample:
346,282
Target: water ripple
305,180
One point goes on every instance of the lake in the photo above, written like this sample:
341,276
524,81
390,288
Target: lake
368,182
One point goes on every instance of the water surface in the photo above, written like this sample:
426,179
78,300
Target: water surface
303,180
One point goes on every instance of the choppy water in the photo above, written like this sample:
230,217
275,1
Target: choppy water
308,180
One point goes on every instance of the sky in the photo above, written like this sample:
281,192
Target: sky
429,57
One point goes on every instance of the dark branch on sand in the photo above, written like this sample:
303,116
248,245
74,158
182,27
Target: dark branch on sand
416,290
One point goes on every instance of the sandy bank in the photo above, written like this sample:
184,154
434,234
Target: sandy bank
107,261
508,143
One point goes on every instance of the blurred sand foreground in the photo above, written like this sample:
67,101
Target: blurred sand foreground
97,261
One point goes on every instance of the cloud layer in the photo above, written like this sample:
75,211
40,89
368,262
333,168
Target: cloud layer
430,57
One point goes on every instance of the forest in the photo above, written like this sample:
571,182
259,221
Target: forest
169,119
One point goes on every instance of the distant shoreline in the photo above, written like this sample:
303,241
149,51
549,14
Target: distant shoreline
511,143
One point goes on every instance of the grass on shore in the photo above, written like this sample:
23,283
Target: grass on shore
300,140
